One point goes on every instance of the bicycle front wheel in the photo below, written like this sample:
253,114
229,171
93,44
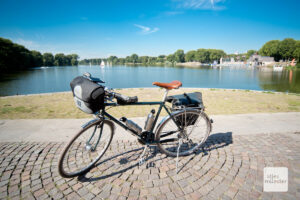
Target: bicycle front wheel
194,128
85,148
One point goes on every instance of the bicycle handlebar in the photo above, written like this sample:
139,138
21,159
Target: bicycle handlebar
121,99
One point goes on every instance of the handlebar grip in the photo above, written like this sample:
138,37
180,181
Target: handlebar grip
122,99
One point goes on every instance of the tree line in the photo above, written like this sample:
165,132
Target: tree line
200,55
16,57
286,49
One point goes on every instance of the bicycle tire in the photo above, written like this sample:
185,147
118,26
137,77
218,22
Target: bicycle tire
61,168
194,116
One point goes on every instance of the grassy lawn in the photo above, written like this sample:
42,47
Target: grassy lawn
216,101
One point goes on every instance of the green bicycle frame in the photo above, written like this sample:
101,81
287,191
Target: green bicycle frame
160,103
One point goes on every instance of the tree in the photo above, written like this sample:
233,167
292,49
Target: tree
161,58
271,48
179,55
134,58
296,52
287,48
128,59
250,53
59,59
152,60
144,59
171,58
37,58
74,59
202,55
14,56
215,55
190,56
113,59
48,59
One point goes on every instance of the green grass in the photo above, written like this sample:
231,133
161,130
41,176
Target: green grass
294,103
216,101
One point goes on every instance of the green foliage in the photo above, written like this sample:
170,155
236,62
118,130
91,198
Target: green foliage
161,58
179,55
250,53
171,58
37,58
296,53
134,58
65,60
190,56
271,48
48,59
286,49
16,57
202,55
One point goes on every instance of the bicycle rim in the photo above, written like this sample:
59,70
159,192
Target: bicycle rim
86,148
195,130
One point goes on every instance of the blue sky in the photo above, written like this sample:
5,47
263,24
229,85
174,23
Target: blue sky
146,27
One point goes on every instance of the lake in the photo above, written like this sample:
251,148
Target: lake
57,79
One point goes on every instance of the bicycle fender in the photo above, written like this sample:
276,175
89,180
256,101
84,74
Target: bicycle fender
176,112
165,118
94,120
89,122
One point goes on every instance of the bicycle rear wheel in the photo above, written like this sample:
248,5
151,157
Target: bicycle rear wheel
85,148
195,128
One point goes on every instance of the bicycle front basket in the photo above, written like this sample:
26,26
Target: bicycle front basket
88,96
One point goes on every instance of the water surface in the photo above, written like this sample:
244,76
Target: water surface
57,79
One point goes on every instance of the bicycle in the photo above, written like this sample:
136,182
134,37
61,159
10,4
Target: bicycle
174,135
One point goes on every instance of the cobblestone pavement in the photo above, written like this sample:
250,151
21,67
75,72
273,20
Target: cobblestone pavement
227,167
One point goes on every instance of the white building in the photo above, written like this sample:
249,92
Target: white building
260,60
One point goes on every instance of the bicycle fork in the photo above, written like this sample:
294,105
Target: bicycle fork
88,145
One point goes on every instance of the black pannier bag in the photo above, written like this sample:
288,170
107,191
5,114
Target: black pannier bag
88,96
186,100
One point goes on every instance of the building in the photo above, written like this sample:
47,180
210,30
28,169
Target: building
259,60
230,62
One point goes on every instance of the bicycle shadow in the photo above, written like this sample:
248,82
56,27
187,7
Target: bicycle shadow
213,142
118,164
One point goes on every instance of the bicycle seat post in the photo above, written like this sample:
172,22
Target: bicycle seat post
165,95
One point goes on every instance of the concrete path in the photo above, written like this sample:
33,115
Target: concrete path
58,130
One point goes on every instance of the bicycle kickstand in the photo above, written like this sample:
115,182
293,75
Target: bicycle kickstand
177,159
142,159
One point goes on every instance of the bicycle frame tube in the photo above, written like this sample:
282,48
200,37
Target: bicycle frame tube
160,103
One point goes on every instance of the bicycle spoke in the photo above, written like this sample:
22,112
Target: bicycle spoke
195,131
86,149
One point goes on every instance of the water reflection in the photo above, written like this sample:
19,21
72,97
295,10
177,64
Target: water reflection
57,79
282,81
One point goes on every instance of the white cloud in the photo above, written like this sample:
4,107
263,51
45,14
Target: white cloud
200,4
27,43
173,13
146,30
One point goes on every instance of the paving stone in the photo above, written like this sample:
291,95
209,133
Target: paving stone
230,167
